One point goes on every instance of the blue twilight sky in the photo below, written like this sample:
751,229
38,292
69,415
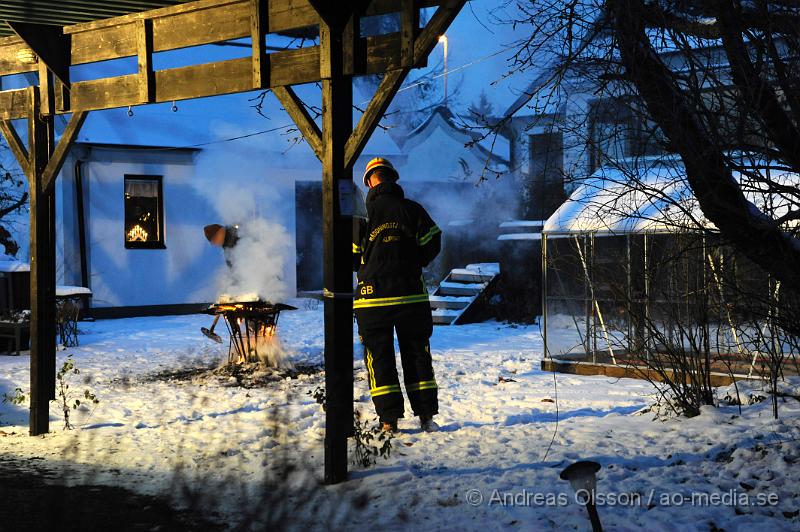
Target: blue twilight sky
473,37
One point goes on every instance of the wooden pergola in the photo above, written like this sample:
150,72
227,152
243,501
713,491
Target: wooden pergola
47,41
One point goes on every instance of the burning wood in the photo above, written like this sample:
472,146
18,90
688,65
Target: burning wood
251,325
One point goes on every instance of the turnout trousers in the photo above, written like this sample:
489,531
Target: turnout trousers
414,326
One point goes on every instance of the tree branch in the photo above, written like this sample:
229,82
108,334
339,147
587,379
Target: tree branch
719,195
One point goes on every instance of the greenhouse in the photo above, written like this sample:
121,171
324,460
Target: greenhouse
635,277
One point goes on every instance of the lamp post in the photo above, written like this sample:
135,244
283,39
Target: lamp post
443,40
582,477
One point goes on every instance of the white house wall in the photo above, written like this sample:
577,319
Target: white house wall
181,273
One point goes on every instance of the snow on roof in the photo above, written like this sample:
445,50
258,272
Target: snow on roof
520,236
651,195
522,223
66,291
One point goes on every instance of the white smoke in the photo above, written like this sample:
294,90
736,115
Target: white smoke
260,263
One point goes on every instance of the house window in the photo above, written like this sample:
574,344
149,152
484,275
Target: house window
144,212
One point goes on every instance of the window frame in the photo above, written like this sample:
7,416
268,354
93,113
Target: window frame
152,244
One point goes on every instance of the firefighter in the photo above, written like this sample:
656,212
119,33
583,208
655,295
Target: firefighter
390,248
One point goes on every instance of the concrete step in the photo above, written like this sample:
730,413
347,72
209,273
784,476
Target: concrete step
449,302
449,288
462,275
444,316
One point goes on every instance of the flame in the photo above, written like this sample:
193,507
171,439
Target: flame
137,234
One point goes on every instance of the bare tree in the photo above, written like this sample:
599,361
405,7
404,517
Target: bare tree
716,82
13,199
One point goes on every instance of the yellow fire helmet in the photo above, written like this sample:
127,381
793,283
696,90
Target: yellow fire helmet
374,164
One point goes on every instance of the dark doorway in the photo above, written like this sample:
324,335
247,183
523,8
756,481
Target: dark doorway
308,237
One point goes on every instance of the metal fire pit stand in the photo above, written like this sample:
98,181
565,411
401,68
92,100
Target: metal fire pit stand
248,324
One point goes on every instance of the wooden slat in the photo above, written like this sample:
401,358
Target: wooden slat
103,44
46,89
144,60
210,79
14,104
181,31
382,53
294,67
299,114
223,23
106,93
61,96
9,64
288,15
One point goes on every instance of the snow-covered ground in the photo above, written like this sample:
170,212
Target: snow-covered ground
487,468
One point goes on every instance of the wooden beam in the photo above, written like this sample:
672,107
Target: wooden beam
369,120
50,45
212,24
43,270
144,61
61,96
301,117
290,67
105,93
11,48
14,104
46,92
15,144
65,143
210,79
337,181
181,26
103,44
259,22
409,27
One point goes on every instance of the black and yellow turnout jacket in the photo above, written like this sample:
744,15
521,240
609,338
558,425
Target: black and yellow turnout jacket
390,249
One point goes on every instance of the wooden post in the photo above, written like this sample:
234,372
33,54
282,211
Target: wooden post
337,177
43,268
